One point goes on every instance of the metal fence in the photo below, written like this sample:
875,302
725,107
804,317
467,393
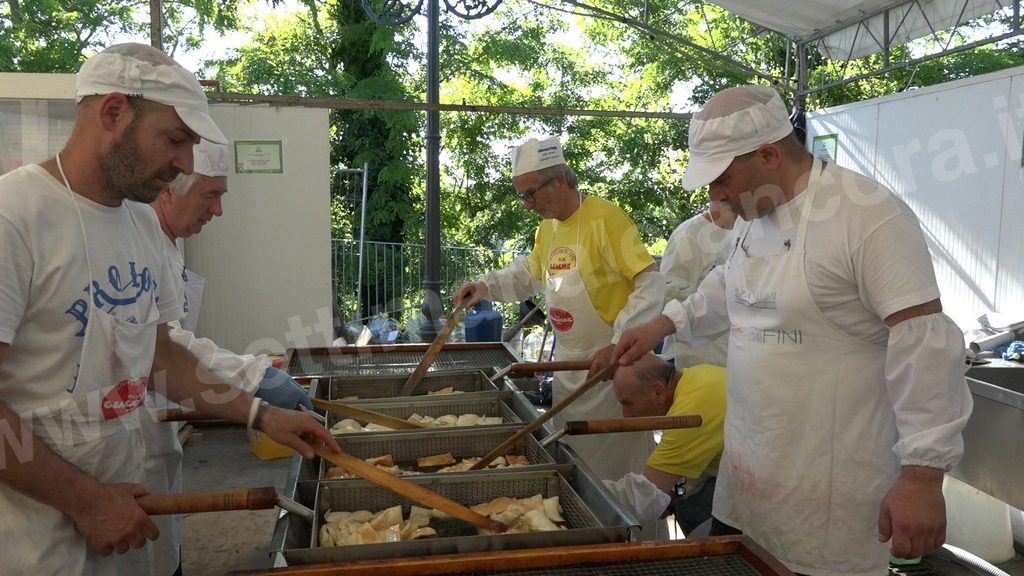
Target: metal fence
392,277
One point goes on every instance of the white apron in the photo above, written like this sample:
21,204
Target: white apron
580,332
96,428
164,453
193,298
809,433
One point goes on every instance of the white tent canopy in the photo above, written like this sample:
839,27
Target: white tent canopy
848,30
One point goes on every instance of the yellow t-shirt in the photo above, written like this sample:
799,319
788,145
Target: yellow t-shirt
690,451
609,253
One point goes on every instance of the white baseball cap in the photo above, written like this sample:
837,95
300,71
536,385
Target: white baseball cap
144,71
534,155
732,123
211,159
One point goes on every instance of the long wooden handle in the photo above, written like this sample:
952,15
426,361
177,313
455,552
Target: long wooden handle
364,415
180,415
604,374
211,501
633,424
432,352
556,366
407,489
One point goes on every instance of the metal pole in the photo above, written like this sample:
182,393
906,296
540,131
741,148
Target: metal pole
155,25
431,281
362,235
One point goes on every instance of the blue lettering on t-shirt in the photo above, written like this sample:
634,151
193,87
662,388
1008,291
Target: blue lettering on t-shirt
124,289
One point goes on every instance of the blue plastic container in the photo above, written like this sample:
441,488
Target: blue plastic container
483,323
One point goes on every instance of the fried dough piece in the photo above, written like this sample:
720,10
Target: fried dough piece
435,460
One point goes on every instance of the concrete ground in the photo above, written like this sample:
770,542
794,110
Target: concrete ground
218,542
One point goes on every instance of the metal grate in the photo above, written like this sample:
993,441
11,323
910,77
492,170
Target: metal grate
365,386
437,406
394,362
723,565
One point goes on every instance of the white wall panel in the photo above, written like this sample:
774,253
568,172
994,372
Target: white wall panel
267,261
1010,282
941,152
949,152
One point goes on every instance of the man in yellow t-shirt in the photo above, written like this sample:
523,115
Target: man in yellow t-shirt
685,463
598,280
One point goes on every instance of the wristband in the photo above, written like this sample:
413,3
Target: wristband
257,423
254,409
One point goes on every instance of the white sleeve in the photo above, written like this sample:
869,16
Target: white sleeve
643,304
244,371
640,496
703,316
924,373
512,283
684,262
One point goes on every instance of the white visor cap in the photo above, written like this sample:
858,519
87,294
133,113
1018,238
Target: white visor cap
534,155
143,71
732,123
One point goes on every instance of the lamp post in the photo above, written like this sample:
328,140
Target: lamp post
396,13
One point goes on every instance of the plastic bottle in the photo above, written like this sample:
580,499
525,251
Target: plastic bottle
483,323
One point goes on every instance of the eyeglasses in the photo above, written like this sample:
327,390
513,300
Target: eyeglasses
527,196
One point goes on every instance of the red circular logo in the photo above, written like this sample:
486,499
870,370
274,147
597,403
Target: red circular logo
560,319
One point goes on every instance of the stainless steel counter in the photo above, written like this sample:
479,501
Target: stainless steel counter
993,459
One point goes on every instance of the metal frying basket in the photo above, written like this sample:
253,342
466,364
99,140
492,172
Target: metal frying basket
406,446
482,404
359,387
469,488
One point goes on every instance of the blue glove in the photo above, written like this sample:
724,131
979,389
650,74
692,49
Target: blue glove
1015,351
279,389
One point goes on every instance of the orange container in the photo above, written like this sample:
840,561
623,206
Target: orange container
266,449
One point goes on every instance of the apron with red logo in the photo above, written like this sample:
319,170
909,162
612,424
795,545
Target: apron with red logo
96,428
580,332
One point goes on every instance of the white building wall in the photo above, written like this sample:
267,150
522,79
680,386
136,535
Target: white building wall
952,152
267,261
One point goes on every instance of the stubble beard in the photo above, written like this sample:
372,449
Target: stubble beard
122,169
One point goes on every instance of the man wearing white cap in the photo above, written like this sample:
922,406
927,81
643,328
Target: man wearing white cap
188,204
598,279
846,395
83,322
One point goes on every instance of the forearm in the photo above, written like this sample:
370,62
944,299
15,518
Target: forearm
32,468
181,377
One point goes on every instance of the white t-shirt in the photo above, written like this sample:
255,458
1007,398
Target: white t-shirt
44,280
695,247
866,256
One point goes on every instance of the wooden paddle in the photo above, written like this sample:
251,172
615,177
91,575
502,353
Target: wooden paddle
364,415
407,489
601,376
523,368
432,351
